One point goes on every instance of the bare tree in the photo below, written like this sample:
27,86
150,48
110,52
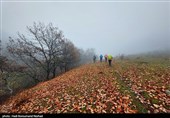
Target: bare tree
5,70
70,55
39,51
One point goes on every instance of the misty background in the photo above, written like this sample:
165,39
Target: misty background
33,49
108,27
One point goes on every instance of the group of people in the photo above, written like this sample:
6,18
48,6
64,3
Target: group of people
108,58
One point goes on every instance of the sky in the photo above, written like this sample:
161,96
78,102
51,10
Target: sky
124,27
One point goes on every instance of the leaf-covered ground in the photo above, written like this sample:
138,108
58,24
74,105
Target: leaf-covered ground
97,88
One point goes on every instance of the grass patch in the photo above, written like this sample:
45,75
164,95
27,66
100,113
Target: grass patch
123,89
168,87
167,106
83,108
145,94
155,101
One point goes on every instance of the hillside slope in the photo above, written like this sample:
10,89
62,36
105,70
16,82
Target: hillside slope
95,88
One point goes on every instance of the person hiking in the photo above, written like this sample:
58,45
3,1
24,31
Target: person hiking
94,58
101,58
110,59
105,58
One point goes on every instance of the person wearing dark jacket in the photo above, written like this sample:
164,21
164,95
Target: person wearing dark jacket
94,58
105,58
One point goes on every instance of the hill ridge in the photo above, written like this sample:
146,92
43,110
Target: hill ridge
91,88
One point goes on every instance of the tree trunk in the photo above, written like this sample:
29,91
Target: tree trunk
48,74
54,72
65,67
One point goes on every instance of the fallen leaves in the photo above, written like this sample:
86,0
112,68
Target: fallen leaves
94,89
149,83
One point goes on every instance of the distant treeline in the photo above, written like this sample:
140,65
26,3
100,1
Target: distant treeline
42,55
162,54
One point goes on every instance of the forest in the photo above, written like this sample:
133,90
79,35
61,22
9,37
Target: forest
45,54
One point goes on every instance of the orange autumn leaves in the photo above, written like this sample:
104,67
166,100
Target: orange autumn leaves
91,88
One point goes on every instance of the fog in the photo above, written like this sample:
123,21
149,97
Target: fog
108,27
